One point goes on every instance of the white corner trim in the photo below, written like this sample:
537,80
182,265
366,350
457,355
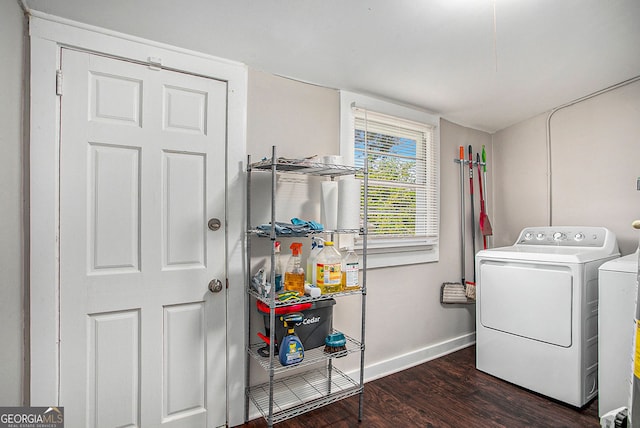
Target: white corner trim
40,28
43,225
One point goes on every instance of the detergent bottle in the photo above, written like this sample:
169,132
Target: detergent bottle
328,269
294,275
291,349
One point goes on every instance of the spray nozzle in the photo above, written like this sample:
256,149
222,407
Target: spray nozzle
290,320
316,242
293,318
296,248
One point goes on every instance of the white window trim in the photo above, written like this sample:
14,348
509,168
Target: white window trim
378,256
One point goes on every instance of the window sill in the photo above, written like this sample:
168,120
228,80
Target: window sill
399,256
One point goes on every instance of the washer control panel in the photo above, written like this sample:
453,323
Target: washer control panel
569,236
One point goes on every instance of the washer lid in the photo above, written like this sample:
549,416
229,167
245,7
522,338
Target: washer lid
626,264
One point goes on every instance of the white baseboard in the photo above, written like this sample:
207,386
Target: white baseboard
402,362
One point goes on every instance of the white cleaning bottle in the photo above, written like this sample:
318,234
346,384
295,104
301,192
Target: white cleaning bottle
278,268
350,270
317,244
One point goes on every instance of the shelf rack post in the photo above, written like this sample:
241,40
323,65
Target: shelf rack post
272,305
247,299
365,231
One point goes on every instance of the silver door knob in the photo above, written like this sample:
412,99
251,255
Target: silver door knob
215,286
214,224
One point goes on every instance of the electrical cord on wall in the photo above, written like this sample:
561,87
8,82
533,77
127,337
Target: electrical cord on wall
569,104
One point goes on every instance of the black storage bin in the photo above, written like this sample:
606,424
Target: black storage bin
315,327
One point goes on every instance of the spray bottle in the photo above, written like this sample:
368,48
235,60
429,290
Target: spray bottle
291,349
317,244
294,275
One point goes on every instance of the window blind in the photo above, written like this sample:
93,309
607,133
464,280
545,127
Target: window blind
403,172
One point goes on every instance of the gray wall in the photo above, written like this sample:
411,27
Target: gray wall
594,153
404,316
11,199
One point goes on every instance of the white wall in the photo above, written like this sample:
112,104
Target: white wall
301,120
519,179
11,199
406,324
594,152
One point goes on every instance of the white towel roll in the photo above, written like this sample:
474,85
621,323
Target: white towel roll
329,205
349,203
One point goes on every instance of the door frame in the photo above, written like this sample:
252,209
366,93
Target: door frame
48,34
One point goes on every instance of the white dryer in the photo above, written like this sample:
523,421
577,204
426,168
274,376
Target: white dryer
618,285
537,310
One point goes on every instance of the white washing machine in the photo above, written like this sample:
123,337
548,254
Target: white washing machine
537,310
618,287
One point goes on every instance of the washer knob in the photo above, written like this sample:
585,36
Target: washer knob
579,236
558,236
528,236
539,236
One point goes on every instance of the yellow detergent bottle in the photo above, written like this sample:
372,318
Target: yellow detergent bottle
329,269
294,275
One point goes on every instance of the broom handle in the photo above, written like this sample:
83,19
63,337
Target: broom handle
473,217
462,216
486,194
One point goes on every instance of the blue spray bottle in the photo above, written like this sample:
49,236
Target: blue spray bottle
291,349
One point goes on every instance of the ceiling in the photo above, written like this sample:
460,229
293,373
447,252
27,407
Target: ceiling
485,64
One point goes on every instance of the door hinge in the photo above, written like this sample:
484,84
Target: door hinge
58,82
227,283
154,63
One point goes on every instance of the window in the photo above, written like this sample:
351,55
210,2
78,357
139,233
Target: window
403,192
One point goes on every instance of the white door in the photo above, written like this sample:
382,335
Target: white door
142,164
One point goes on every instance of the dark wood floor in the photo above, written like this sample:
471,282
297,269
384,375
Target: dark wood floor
446,392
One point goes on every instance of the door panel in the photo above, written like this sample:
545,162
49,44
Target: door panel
142,170
114,365
114,234
185,110
183,344
115,99
184,203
